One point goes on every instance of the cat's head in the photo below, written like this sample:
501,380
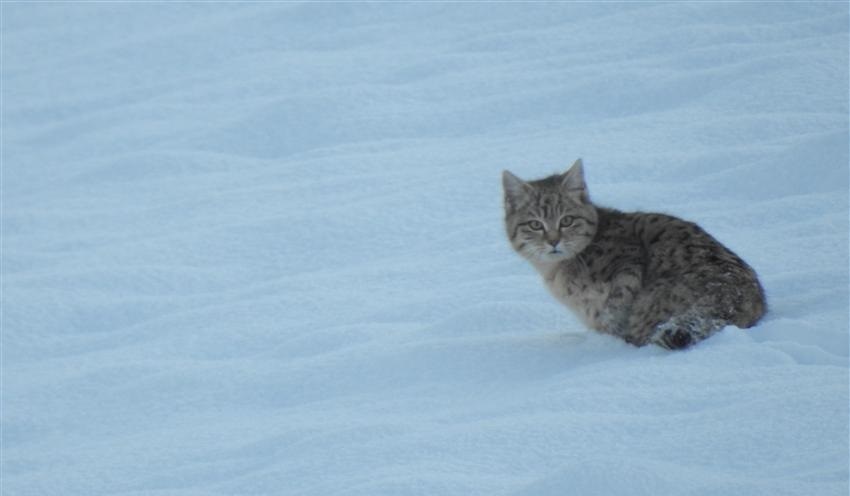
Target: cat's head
551,219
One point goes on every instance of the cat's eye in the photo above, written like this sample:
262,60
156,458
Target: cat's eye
536,225
566,221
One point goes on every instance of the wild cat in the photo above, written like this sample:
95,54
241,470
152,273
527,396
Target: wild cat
644,277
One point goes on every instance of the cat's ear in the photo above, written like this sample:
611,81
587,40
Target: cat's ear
515,189
573,183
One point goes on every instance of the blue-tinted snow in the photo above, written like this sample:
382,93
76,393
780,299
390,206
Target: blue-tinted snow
257,248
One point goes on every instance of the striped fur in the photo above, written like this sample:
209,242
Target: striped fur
647,278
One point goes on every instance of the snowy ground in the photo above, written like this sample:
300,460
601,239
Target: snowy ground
258,248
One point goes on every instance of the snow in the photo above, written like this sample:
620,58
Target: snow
258,248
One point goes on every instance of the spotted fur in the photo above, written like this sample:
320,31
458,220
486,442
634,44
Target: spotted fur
644,277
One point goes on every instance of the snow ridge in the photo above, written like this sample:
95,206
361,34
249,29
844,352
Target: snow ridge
258,248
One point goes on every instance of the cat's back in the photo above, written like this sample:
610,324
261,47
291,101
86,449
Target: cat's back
672,243
683,253
662,242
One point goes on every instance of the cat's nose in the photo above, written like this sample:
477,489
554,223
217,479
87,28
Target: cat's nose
553,242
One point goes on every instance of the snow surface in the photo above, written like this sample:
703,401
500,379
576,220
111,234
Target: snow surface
258,248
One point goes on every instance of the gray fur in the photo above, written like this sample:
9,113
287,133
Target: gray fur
645,277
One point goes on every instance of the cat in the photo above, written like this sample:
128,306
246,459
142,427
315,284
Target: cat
647,278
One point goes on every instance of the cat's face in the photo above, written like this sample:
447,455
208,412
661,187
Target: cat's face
549,220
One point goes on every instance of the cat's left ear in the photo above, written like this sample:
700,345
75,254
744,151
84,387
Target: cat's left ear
573,183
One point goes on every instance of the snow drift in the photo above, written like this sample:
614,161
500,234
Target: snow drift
258,248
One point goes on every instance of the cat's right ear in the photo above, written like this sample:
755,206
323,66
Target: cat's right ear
515,189
573,183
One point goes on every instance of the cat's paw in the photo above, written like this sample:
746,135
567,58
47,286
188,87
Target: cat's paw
673,339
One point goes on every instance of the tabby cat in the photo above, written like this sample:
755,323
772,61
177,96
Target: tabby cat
644,277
